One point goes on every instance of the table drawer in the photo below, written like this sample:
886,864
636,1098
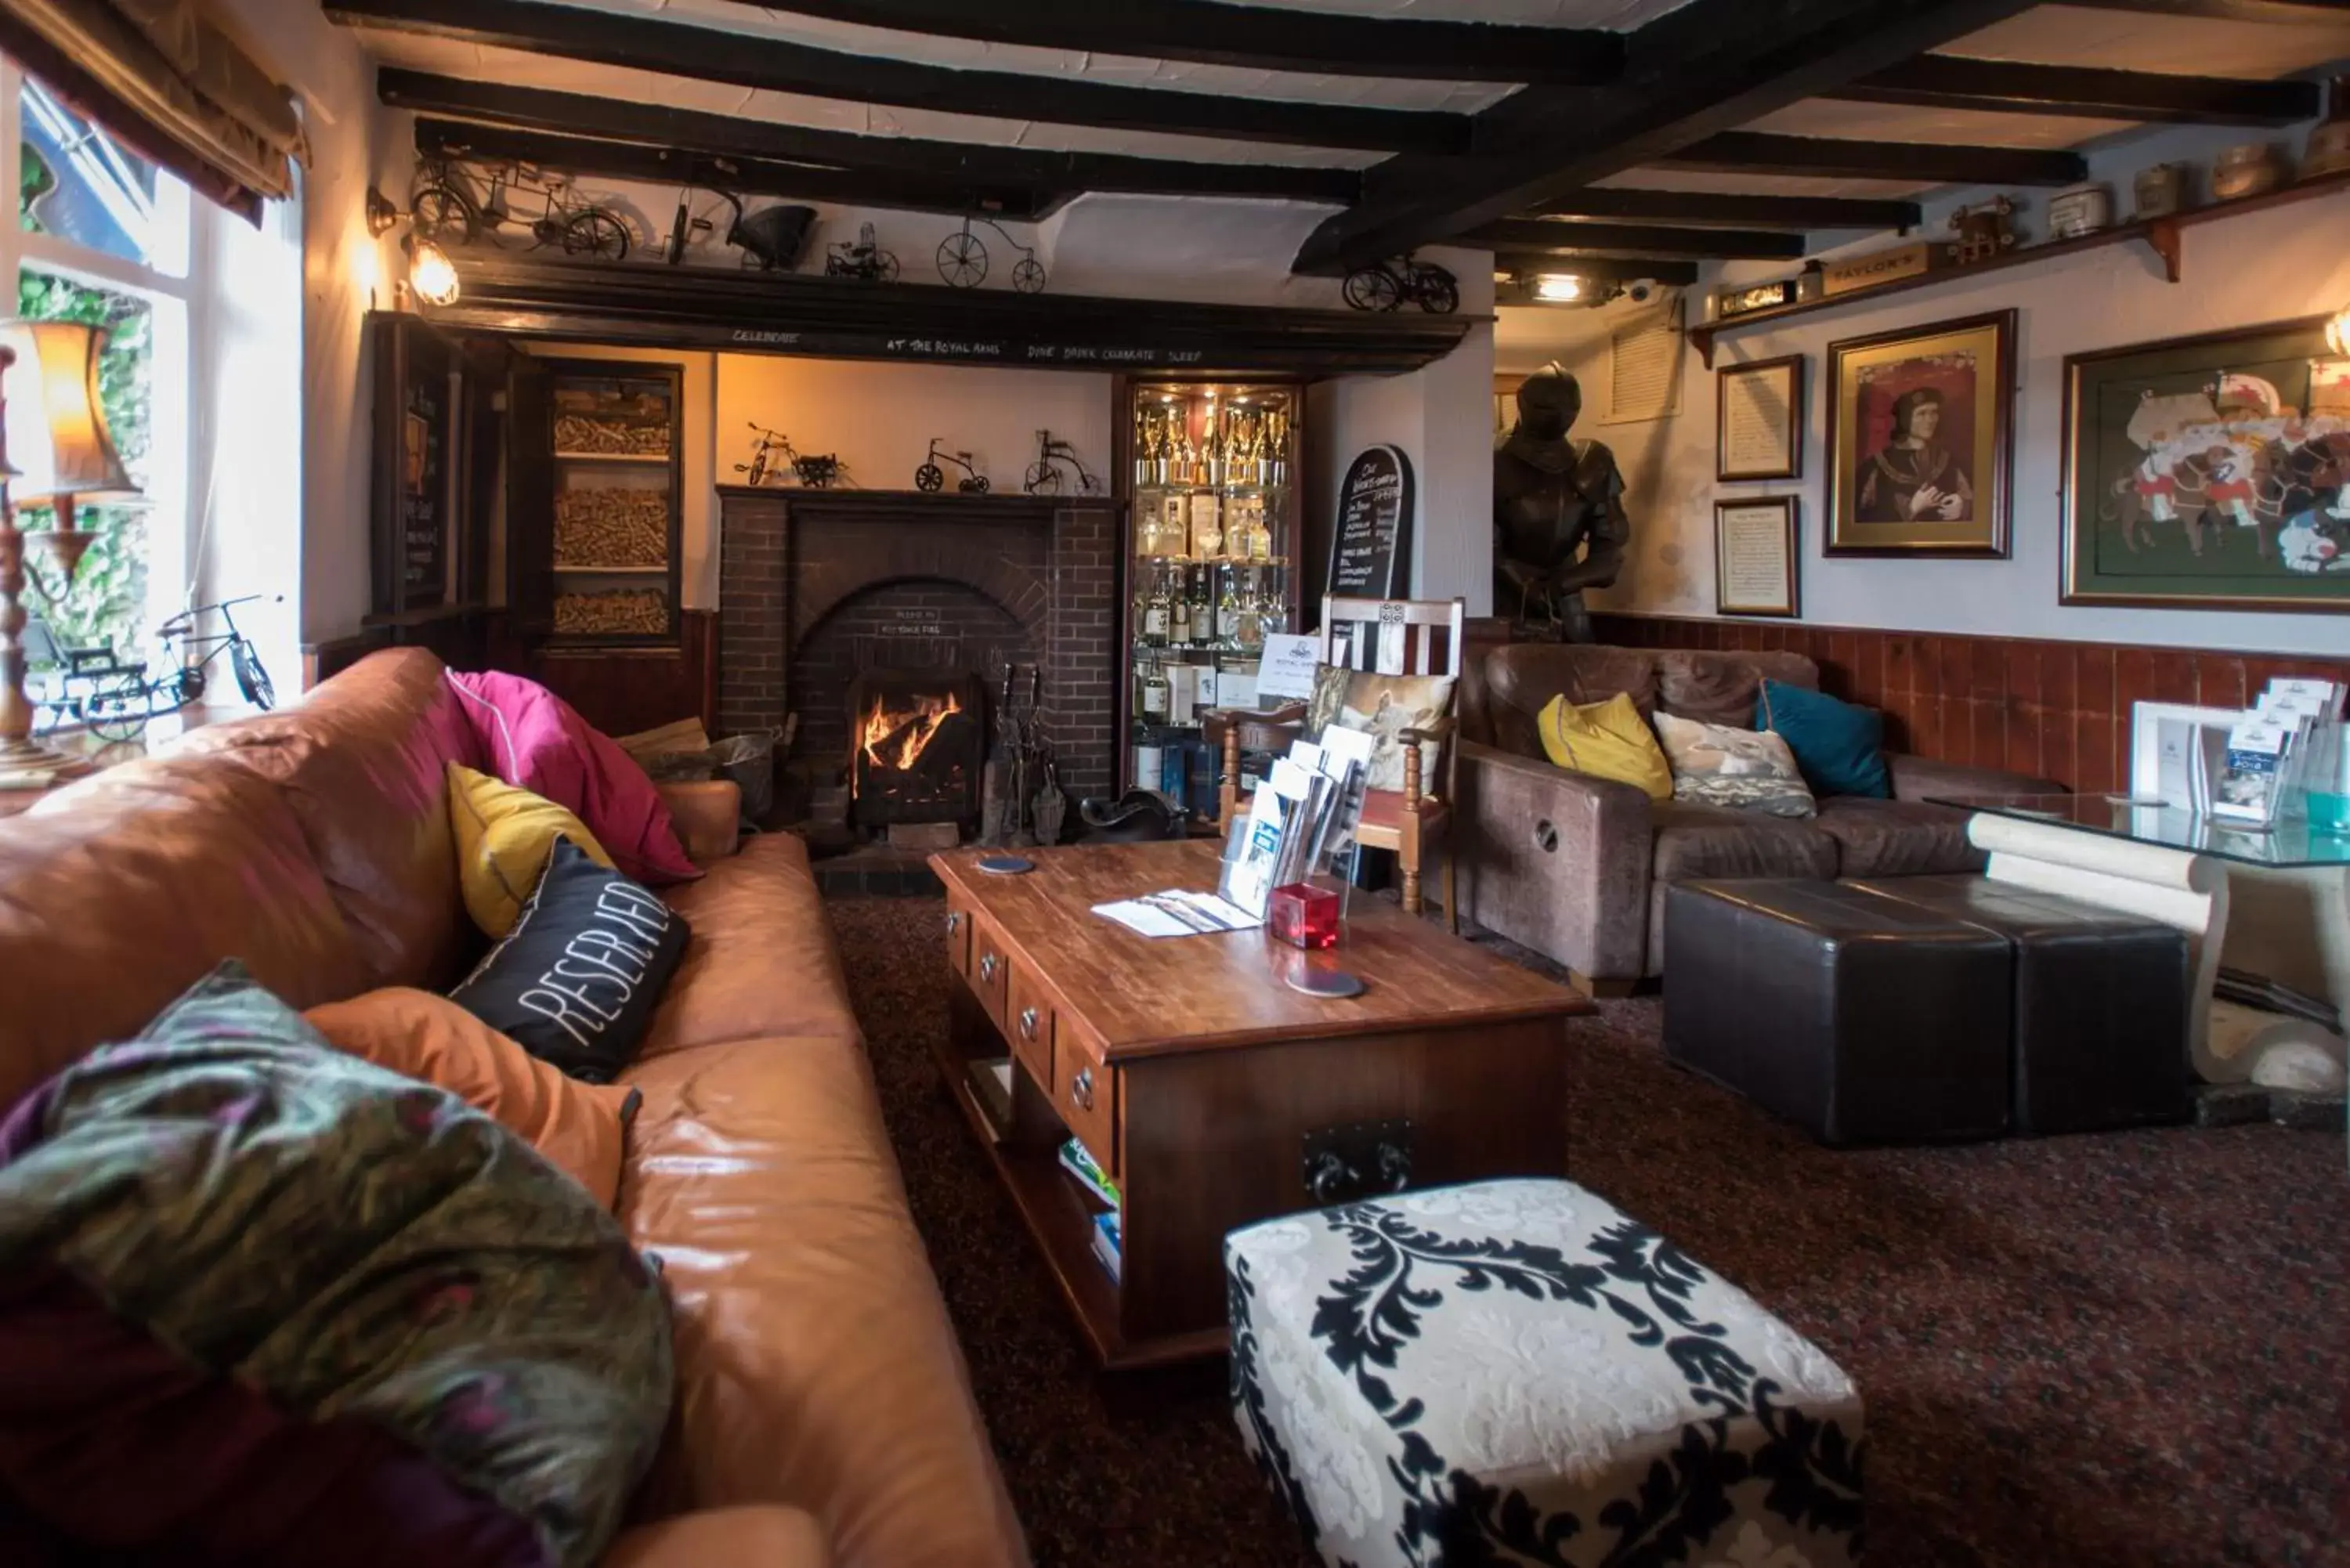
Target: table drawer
1085,1093
991,969
958,926
1028,1021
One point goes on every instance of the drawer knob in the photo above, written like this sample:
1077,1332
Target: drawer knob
1029,1022
1081,1089
954,921
987,966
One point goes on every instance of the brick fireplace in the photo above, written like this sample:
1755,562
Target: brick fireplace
829,596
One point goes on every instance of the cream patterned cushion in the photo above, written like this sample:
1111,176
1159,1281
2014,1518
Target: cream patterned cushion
1516,1372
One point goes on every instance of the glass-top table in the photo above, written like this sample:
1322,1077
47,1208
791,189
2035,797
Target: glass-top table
2288,845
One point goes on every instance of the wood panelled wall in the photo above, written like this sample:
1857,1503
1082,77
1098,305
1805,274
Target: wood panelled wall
2059,710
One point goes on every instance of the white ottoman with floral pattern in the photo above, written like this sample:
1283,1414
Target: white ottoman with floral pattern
1516,1372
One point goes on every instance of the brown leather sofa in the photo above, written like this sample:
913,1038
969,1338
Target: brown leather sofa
1575,868
816,1367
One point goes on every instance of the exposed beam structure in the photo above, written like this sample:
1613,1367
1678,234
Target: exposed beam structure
1749,152
941,166
1957,81
1708,67
1625,239
1262,38
1699,209
715,54
2287,13
1678,272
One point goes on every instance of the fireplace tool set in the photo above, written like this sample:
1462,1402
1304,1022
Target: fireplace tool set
1020,801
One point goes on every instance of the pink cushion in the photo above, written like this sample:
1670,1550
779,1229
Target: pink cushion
535,740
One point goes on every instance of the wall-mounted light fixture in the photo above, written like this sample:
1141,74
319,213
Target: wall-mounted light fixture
380,214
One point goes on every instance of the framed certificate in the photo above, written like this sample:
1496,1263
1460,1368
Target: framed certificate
1755,557
1759,420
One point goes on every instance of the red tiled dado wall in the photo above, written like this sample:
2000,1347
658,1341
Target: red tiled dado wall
2057,709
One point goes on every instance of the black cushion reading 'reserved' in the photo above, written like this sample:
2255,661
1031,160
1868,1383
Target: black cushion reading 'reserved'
575,981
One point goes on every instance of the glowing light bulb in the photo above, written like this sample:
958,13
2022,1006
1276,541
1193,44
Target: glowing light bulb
2337,332
432,275
1558,285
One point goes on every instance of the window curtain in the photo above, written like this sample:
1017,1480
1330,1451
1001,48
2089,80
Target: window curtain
170,85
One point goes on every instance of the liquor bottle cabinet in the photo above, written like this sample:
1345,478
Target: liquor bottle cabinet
1210,472
597,541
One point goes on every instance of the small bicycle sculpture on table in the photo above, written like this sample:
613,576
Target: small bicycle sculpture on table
865,260
1385,285
120,710
1043,476
931,477
774,452
444,205
963,260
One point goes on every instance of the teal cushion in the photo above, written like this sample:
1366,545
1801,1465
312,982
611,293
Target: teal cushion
1838,746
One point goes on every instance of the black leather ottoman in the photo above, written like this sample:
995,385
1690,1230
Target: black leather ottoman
1862,1018
2101,997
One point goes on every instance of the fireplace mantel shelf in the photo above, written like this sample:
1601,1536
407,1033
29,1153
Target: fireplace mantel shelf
1003,505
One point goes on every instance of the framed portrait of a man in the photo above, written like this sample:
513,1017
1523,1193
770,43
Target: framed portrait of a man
1921,440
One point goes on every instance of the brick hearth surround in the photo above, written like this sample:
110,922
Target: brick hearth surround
806,580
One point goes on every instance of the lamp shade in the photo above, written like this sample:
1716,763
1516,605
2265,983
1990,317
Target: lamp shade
57,438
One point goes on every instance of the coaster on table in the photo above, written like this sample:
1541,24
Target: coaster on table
1006,865
1332,983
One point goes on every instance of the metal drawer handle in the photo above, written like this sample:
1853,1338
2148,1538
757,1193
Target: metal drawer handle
1029,1022
1081,1089
954,921
987,966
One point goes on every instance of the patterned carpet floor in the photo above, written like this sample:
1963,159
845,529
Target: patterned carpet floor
2119,1351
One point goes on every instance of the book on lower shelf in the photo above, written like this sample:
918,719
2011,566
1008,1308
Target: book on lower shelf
1091,1178
1109,1240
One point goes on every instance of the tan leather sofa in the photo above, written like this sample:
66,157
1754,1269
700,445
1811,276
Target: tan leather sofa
816,1367
1575,868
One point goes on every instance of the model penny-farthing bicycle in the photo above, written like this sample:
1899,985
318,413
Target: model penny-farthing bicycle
1043,476
931,477
963,260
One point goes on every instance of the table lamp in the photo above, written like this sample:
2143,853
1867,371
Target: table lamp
54,447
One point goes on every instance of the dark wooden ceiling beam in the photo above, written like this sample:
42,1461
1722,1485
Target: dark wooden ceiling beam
2287,13
1715,208
1957,81
1262,38
1678,272
1635,240
942,165
1849,158
741,60
1708,67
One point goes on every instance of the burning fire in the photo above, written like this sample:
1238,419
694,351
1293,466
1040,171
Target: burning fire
895,739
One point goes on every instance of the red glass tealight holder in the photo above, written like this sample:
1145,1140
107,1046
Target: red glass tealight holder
1304,915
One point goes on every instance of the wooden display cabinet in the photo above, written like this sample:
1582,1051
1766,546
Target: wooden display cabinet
1208,474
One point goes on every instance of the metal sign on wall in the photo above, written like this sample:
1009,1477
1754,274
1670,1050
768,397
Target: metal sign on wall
1370,548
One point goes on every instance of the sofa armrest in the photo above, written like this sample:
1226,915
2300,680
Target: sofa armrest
708,816
1556,861
756,1535
1924,778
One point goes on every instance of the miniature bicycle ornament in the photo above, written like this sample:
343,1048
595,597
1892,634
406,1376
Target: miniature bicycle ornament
444,205
774,456
865,260
1043,477
963,260
931,477
1385,285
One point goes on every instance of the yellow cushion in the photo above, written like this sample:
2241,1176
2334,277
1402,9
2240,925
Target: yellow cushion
505,838
1606,740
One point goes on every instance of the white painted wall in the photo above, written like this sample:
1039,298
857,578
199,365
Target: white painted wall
1441,416
353,142
2270,265
880,417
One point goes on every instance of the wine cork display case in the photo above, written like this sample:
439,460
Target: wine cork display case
617,515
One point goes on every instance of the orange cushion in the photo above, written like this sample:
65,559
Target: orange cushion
578,1126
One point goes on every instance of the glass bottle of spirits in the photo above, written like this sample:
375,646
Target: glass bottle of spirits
1207,525
1179,610
1249,636
1228,610
1157,613
1146,532
1155,689
1203,607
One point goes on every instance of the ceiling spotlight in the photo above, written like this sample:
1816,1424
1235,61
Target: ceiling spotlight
1558,285
431,273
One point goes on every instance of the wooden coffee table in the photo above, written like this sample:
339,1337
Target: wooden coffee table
1214,1092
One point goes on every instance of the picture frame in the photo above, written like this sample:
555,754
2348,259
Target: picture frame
1756,547
1758,427
1921,441
2210,471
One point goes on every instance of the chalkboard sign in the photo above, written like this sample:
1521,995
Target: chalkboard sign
1371,552
424,428
416,455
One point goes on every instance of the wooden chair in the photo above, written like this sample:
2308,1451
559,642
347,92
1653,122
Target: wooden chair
1393,636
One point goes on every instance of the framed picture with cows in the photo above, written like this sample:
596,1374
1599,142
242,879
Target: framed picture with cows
2209,471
